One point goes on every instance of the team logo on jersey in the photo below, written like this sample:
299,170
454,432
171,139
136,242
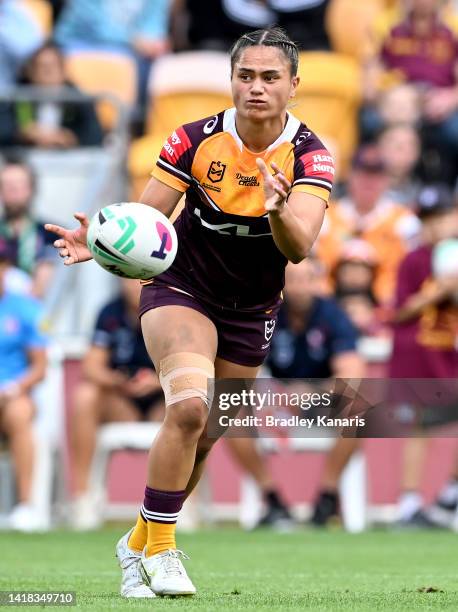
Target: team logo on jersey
216,171
269,327
303,137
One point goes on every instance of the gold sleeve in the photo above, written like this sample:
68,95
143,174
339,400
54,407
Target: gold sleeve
169,179
320,192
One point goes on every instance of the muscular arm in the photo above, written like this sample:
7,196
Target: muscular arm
72,244
295,220
160,196
296,225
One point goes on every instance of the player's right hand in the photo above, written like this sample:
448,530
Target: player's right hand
72,244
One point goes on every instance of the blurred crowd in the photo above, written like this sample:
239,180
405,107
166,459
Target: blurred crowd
384,267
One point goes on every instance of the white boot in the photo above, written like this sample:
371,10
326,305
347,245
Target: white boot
165,573
132,583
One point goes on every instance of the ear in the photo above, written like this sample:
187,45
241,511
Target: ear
294,85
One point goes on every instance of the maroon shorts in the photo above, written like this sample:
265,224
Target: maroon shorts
243,337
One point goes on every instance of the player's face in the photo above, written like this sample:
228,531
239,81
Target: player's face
262,84
15,190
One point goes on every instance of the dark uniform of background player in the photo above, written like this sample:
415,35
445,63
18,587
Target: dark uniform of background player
316,339
119,384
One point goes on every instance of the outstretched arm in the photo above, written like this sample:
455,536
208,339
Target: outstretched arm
295,224
72,244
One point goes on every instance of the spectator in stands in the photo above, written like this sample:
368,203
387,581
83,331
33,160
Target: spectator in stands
119,384
30,244
138,27
353,279
49,123
425,325
421,55
20,35
315,339
400,150
22,366
367,213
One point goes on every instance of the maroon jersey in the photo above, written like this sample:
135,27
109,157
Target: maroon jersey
424,347
430,59
226,253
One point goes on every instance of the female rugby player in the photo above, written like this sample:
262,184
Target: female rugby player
257,182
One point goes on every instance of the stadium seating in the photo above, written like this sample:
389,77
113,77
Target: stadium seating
183,88
328,100
115,437
102,72
349,24
41,12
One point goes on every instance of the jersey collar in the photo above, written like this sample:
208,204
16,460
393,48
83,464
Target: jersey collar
291,128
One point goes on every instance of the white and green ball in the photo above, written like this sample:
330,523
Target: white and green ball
132,240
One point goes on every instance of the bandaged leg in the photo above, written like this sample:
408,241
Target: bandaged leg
186,380
186,375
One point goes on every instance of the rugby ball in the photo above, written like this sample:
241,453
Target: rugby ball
132,240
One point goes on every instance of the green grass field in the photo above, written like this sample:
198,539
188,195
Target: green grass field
251,571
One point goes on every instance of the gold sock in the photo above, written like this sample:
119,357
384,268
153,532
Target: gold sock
161,537
138,537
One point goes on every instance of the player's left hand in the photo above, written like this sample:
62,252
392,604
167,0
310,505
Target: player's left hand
276,186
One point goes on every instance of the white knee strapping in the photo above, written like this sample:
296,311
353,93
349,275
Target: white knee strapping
186,375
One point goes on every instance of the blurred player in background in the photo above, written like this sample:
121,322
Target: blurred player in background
257,182
22,366
119,385
315,339
426,321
